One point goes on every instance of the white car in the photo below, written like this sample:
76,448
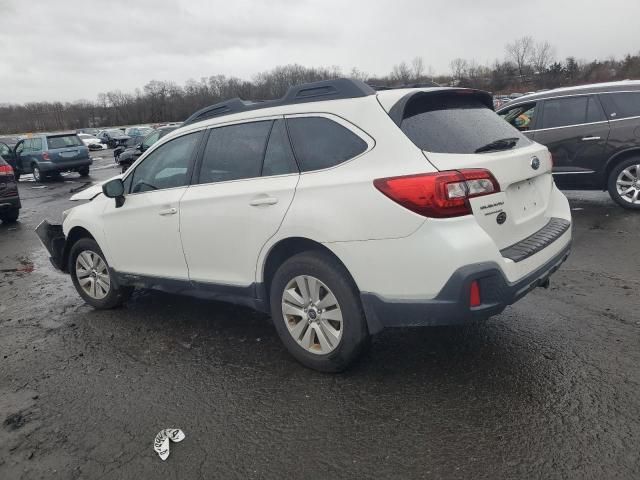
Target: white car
339,209
94,143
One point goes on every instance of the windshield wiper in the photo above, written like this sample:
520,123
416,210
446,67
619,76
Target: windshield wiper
502,144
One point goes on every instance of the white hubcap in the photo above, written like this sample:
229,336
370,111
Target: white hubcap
93,274
312,314
628,184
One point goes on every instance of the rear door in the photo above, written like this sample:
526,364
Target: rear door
456,130
246,182
576,132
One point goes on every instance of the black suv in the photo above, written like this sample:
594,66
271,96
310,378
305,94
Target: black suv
593,133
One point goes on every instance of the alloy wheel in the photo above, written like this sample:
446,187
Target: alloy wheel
93,274
312,314
628,184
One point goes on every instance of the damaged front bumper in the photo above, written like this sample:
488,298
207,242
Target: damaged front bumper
53,239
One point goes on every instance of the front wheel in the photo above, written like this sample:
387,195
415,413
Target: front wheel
92,277
37,173
624,183
84,171
317,312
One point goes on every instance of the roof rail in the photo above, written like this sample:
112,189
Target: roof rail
337,89
425,84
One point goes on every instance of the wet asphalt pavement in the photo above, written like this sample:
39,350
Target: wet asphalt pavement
548,389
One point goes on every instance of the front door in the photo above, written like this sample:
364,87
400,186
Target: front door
246,183
576,131
143,234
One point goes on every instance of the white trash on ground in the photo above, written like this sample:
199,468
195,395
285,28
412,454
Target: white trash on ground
161,443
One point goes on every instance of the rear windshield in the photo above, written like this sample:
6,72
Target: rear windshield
455,124
64,141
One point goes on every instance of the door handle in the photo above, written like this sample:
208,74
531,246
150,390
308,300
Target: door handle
168,211
590,139
263,200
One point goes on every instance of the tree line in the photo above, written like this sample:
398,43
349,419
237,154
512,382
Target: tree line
526,66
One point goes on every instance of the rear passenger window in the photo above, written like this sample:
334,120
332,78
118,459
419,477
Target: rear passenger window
562,112
234,152
36,144
621,105
278,159
321,143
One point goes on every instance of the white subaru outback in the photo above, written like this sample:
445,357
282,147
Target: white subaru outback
339,209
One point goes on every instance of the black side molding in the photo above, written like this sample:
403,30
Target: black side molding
538,241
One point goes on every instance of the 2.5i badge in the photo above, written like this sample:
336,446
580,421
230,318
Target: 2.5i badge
501,218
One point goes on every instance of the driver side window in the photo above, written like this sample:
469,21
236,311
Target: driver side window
167,166
521,117
150,140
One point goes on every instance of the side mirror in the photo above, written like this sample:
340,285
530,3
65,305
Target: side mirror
114,189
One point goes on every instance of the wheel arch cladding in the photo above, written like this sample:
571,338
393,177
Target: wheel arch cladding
287,248
616,158
75,234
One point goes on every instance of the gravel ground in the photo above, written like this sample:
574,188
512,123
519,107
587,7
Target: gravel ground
548,389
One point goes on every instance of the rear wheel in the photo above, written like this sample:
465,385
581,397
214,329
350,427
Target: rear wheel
92,278
317,312
84,171
10,216
624,183
37,173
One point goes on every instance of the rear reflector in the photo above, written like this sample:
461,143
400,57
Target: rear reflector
441,194
474,294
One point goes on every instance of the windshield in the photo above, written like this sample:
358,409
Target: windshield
115,132
64,141
455,124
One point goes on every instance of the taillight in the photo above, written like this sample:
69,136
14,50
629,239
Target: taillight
439,195
474,294
45,155
6,170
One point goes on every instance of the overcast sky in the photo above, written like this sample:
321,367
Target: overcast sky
75,49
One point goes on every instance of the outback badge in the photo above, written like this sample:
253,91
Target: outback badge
535,163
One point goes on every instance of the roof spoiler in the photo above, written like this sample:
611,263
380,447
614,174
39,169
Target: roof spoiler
399,109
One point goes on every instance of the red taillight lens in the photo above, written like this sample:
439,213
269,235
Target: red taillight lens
6,170
45,155
439,195
474,294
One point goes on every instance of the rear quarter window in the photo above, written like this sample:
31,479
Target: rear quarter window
455,124
621,105
320,143
64,141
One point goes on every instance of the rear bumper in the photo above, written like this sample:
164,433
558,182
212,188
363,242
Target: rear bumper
63,166
451,305
10,203
53,239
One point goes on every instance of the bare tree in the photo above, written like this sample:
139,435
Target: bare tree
542,55
459,67
401,73
519,52
417,67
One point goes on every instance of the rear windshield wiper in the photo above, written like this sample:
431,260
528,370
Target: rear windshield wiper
502,144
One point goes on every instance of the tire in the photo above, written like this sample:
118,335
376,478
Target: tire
631,179
103,297
10,216
344,344
37,173
16,175
84,171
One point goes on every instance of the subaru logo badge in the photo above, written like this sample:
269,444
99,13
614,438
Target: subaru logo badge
501,218
535,163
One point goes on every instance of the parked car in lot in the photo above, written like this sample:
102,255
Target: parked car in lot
7,151
339,209
89,131
131,143
50,154
131,154
9,196
92,143
138,131
593,133
113,137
